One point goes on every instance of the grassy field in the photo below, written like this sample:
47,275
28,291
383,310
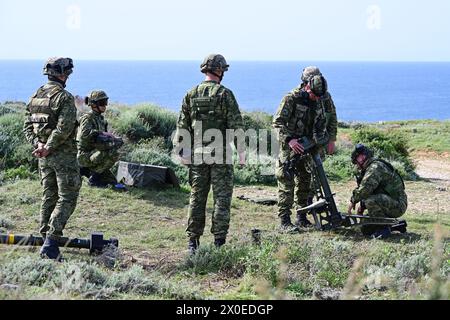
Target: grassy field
153,263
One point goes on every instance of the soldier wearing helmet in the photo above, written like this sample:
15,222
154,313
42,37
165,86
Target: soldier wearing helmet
328,105
380,189
50,126
98,150
209,105
330,115
300,114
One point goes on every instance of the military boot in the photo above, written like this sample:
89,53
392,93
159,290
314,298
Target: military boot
193,245
381,233
50,250
96,181
302,221
287,226
85,172
218,242
400,227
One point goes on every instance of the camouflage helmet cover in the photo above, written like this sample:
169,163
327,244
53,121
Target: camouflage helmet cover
58,66
310,72
214,62
318,85
96,96
361,149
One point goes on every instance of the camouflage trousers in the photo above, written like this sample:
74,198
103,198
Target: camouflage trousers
201,178
98,161
384,206
292,188
61,181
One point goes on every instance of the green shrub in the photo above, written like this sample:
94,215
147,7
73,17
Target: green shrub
129,125
144,122
21,172
89,280
252,174
209,259
14,149
262,262
161,122
257,120
339,166
6,109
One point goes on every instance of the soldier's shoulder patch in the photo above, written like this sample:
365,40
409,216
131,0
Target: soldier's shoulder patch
227,92
64,94
290,96
192,91
376,166
85,116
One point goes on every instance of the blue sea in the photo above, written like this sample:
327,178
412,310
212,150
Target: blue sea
362,91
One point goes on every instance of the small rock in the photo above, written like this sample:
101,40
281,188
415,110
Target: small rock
327,294
443,189
7,286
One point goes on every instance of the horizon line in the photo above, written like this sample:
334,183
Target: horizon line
238,60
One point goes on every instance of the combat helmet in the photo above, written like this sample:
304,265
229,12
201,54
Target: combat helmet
95,97
361,149
58,66
318,85
310,72
214,62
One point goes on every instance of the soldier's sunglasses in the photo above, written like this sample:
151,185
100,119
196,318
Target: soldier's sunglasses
102,103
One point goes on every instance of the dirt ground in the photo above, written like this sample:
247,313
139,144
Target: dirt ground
434,167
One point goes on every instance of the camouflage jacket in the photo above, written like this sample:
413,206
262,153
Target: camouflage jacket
298,116
91,125
51,118
330,115
212,105
379,177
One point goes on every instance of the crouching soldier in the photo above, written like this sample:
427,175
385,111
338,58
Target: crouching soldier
98,150
380,190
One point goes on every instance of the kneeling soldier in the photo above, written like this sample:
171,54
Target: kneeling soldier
98,150
380,189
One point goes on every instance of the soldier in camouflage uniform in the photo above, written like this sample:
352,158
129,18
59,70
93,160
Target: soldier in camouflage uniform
380,189
300,114
331,122
50,126
212,106
98,150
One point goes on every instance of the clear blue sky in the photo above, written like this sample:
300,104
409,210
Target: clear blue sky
392,30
